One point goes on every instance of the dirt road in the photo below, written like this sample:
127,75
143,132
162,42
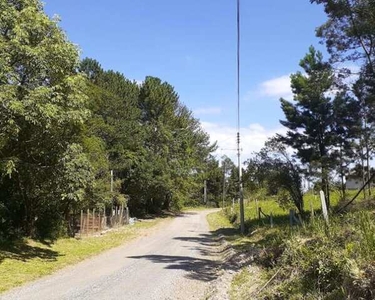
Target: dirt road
173,262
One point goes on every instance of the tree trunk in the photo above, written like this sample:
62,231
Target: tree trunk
368,169
328,196
363,175
325,187
69,228
29,218
343,187
342,173
167,202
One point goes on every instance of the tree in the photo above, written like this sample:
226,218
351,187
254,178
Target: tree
346,127
42,109
174,158
227,167
309,118
349,32
285,173
349,35
65,124
273,172
363,89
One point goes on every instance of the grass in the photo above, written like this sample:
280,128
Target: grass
218,220
311,261
27,260
281,215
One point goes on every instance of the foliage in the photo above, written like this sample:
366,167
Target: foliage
309,119
42,110
273,172
65,124
349,31
311,261
349,34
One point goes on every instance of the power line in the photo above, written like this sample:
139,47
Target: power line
240,186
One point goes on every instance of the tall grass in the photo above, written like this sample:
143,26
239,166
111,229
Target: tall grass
313,260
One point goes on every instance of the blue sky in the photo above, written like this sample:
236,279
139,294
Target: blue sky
192,45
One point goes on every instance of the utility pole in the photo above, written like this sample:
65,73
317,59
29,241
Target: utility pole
205,192
111,181
224,183
240,186
112,192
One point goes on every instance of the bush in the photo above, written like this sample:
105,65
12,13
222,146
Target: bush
325,263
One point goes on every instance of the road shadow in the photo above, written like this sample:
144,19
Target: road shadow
196,268
21,251
203,239
203,268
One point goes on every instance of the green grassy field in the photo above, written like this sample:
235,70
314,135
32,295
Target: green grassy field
26,260
281,215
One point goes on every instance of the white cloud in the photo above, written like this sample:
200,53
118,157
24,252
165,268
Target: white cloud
208,111
253,138
276,87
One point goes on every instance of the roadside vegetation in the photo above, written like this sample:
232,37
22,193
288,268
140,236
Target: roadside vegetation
26,260
311,260
328,146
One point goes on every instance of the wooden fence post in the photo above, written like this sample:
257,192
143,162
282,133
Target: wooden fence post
271,220
87,221
324,207
100,223
93,220
81,224
122,214
259,213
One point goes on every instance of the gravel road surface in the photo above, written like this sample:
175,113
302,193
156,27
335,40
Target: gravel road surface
175,261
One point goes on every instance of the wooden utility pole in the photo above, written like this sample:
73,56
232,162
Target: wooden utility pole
224,185
205,192
111,181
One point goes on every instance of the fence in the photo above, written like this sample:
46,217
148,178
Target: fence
93,221
119,217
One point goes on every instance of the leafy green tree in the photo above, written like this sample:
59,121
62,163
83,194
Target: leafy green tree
174,154
42,109
349,32
309,118
364,91
113,135
227,165
232,190
346,126
65,124
285,173
349,35
272,172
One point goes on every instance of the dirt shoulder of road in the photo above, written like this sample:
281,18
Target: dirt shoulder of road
234,264
26,260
